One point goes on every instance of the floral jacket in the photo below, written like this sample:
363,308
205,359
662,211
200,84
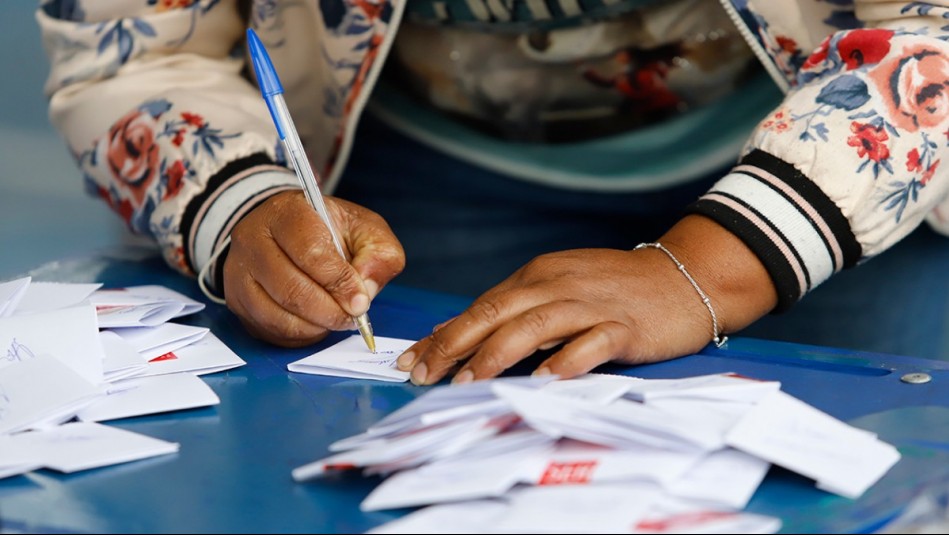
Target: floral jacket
155,102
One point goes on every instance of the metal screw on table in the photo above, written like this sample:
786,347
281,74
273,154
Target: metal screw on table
916,378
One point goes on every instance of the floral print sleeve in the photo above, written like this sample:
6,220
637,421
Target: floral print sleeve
150,98
854,159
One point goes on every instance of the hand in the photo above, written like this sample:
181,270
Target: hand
603,305
284,278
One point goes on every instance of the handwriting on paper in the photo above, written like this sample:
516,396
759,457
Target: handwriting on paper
350,358
18,352
382,358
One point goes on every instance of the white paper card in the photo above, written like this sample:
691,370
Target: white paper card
40,389
121,359
151,395
351,358
153,342
76,342
46,296
11,293
207,355
82,446
799,437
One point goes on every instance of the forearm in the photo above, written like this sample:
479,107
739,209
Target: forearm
162,123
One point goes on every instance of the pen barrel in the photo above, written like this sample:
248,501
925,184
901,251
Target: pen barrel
311,187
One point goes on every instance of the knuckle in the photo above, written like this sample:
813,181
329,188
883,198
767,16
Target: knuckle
337,278
489,362
440,350
485,311
534,322
296,295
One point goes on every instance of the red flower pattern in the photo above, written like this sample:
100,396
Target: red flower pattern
193,119
861,47
133,154
869,141
175,174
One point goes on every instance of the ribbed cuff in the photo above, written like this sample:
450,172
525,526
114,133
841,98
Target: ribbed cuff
231,194
795,229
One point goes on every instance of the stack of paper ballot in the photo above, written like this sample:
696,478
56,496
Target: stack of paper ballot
600,453
75,354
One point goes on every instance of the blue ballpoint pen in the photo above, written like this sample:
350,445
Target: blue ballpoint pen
272,91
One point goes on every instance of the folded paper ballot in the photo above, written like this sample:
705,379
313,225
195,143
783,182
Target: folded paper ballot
351,358
600,453
150,395
81,446
207,355
141,306
114,355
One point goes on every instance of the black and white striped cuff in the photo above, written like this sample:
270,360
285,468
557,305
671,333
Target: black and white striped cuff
797,231
230,195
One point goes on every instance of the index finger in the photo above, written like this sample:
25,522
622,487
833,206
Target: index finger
433,356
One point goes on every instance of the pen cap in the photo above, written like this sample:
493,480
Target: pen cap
267,78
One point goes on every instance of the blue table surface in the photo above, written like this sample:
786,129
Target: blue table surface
232,473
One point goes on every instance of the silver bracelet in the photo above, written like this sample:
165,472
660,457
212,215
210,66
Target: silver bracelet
716,338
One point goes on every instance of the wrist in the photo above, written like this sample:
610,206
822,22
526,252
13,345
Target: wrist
230,196
730,275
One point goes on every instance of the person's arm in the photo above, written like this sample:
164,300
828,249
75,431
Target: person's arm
848,165
152,103
854,159
165,128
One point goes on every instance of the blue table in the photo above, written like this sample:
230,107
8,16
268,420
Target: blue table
232,473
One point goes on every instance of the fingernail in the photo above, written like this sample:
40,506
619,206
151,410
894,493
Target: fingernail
543,370
359,305
464,376
419,373
372,287
405,360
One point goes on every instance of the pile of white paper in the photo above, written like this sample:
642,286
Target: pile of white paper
600,453
73,352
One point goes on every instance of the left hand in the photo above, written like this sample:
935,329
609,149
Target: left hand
603,305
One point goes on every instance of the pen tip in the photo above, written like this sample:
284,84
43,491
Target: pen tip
365,329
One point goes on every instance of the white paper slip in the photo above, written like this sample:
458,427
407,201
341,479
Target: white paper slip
46,296
38,390
723,387
619,424
207,355
790,433
581,463
14,461
141,306
607,508
439,404
121,359
11,293
679,516
727,478
351,358
163,293
408,449
151,395
17,469
82,446
451,481
153,342
76,341
474,516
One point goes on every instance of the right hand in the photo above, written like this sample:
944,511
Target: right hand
284,278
